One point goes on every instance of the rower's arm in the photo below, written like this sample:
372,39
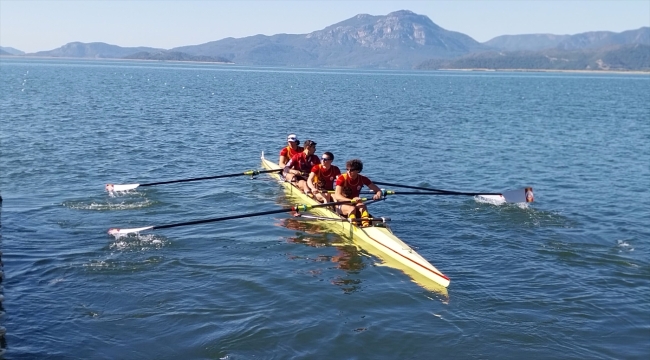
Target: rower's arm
338,194
376,189
287,167
310,182
283,161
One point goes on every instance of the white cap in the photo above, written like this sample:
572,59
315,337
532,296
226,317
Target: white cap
292,138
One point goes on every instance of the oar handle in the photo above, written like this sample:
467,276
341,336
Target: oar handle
305,207
249,172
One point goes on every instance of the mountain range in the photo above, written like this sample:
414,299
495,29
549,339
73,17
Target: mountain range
612,58
399,40
10,51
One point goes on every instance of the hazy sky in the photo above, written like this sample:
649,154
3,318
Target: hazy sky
33,26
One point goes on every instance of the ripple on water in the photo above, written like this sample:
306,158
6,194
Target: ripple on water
593,256
138,242
108,206
623,246
517,214
116,264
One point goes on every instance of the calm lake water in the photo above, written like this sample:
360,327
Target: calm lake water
565,277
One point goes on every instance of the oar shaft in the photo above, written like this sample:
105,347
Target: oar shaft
249,172
297,208
436,193
324,218
240,216
392,192
414,187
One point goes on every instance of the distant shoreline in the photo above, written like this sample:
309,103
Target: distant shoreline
631,72
111,59
636,72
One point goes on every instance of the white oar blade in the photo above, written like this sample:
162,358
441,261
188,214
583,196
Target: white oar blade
116,231
492,199
524,195
123,187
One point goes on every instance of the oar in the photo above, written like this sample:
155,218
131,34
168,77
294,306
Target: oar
418,188
125,187
511,196
391,192
297,208
323,218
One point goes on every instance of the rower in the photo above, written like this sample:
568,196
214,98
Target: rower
348,187
322,177
290,150
300,165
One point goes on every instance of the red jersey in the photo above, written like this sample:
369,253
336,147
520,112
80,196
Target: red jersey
324,179
352,188
303,162
289,152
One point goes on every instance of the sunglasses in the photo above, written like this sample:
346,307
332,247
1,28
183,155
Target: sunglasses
326,159
352,170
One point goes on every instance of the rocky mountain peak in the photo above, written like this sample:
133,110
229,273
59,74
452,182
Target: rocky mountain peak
399,29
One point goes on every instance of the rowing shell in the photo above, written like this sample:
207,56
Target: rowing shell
391,249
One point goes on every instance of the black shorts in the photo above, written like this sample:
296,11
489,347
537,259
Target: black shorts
297,178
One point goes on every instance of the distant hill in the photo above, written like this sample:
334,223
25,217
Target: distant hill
5,53
96,50
600,39
10,51
588,40
400,39
620,57
530,42
174,56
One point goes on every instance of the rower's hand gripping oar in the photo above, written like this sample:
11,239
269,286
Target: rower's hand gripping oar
125,187
512,196
296,208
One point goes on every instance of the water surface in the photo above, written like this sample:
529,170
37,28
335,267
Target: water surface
566,277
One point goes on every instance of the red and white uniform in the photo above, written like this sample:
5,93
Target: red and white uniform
324,179
352,188
289,152
302,162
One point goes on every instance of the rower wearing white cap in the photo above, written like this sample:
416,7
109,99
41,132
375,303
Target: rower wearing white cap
290,150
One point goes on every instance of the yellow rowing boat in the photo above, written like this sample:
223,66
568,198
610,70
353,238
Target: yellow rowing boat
377,240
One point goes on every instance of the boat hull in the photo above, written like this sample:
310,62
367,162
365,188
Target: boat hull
382,242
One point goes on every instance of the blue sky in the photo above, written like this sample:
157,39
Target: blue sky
33,26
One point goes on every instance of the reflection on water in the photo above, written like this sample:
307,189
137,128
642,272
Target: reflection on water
348,257
317,233
347,285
